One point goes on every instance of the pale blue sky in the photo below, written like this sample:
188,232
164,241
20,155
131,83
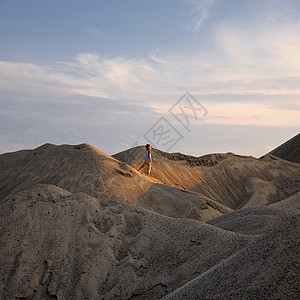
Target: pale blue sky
104,72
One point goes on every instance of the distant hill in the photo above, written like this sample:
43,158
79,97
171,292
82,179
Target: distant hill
289,150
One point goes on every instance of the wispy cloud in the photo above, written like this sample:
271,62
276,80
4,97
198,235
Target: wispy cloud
200,12
242,63
251,77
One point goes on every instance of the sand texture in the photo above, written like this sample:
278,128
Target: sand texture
83,168
267,268
290,150
73,246
77,223
224,178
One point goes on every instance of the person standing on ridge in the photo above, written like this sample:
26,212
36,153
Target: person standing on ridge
148,160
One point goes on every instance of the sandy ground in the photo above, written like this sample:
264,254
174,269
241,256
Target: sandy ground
267,268
73,246
83,168
77,223
224,178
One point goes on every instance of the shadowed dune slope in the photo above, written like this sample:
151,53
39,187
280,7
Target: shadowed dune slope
267,268
83,168
290,202
256,220
290,150
59,245
221,177
261,192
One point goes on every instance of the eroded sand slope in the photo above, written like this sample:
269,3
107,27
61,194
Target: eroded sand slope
73,246
77,223
83,168
225,178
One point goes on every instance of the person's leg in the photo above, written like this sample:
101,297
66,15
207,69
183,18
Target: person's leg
149,168
142,166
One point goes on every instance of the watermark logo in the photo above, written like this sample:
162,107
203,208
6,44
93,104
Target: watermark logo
187,108
163,135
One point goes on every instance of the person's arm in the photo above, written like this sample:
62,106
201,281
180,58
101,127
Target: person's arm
149,155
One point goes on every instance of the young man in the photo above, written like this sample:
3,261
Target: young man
148,160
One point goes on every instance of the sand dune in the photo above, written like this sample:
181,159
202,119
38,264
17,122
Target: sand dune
290,202
221,177
255,220
260,192
83,168
77,223
73,246
267,268
290,150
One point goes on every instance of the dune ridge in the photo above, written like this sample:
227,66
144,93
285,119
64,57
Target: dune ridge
289,150
83,168
223,178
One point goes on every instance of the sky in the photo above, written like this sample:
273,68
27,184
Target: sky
190,76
